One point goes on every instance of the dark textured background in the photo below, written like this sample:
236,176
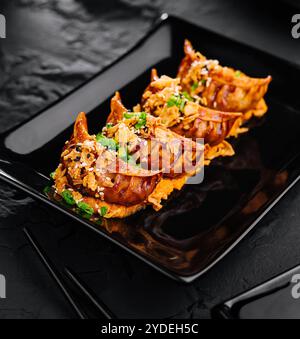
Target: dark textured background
51,47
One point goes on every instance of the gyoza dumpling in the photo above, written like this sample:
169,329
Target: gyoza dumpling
222,88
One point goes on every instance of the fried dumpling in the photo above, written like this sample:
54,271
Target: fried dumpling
222,88
113,174
185,115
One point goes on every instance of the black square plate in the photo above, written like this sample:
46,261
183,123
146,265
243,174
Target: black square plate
202,223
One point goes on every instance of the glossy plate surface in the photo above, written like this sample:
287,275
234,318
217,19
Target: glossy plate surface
200,224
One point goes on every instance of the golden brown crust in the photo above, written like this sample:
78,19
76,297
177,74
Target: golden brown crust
117,109
224,149
223,88
211,125
164,188
79,159
193,120
85,170
113,210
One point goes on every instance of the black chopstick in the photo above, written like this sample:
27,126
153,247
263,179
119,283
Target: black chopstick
82,296
56,275
100,306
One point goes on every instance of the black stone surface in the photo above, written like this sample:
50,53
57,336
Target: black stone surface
51,47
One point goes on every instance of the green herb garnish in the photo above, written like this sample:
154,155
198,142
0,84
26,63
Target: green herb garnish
142,118
178,101
107,142
68,197
109,125
238,73
182,104
103,211
142,121
52,175
129,115
187,96
195,86
123,153
47,190
85,210
174,100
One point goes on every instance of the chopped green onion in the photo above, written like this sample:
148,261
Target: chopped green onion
109,125
107,142
123,153
85,210
139,125
47,190
142,121
173,101
238,73
103,211
142,118
178,101
187,96
52,175
99,222
195,86
68,197
182,104
129,115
